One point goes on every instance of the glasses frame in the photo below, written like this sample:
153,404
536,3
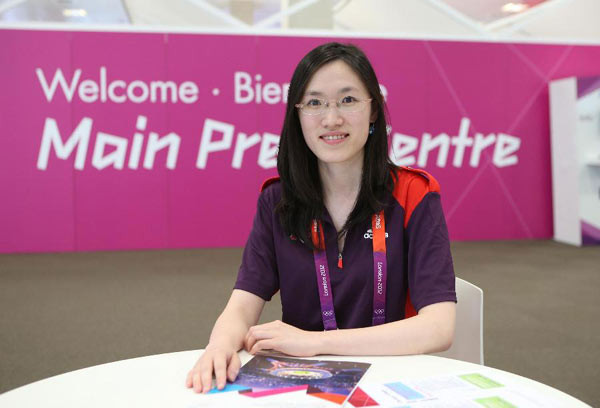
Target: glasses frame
327,104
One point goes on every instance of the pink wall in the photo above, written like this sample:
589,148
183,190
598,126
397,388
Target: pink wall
48,203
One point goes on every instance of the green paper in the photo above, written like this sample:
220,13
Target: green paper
481,381
494,402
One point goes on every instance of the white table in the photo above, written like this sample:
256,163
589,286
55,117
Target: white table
159,381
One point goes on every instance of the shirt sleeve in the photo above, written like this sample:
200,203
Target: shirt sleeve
430,270
258,271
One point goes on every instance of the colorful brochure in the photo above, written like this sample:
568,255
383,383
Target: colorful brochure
265,376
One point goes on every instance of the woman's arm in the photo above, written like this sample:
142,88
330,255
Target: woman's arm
227,337
432,330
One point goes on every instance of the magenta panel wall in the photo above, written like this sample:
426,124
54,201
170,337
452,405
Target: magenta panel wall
152,140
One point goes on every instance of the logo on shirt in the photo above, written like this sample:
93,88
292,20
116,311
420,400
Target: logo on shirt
369,234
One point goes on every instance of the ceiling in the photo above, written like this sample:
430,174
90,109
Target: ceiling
532,19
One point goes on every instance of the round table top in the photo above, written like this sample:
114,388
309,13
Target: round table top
159,381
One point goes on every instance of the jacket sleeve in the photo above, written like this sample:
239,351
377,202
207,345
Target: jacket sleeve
258,271
430,269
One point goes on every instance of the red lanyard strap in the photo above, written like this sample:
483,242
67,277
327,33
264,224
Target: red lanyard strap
379,272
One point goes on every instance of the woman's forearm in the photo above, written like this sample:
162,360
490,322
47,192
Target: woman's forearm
229,329
432,330
242,311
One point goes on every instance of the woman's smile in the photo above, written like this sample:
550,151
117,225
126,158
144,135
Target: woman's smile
334,138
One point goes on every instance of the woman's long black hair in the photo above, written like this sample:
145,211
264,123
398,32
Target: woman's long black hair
302,194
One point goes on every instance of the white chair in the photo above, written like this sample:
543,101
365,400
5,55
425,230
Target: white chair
468,335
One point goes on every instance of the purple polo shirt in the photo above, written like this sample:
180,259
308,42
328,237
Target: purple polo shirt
418,259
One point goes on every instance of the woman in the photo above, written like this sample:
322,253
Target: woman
350,240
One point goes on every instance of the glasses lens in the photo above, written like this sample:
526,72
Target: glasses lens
349,104
313,106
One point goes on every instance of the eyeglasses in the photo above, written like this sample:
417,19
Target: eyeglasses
346,104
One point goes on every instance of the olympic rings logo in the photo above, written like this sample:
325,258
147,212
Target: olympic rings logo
379,311
328,313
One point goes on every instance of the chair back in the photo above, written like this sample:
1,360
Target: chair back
468,335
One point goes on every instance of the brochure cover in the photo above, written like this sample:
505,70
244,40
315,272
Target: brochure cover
268,375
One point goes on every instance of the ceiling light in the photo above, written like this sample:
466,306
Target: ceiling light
514,7
74,13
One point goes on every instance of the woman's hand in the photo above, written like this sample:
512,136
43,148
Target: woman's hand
223,361
282,337
227,337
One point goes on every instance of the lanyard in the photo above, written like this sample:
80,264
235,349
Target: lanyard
379,272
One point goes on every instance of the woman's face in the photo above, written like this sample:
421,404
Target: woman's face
336,135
